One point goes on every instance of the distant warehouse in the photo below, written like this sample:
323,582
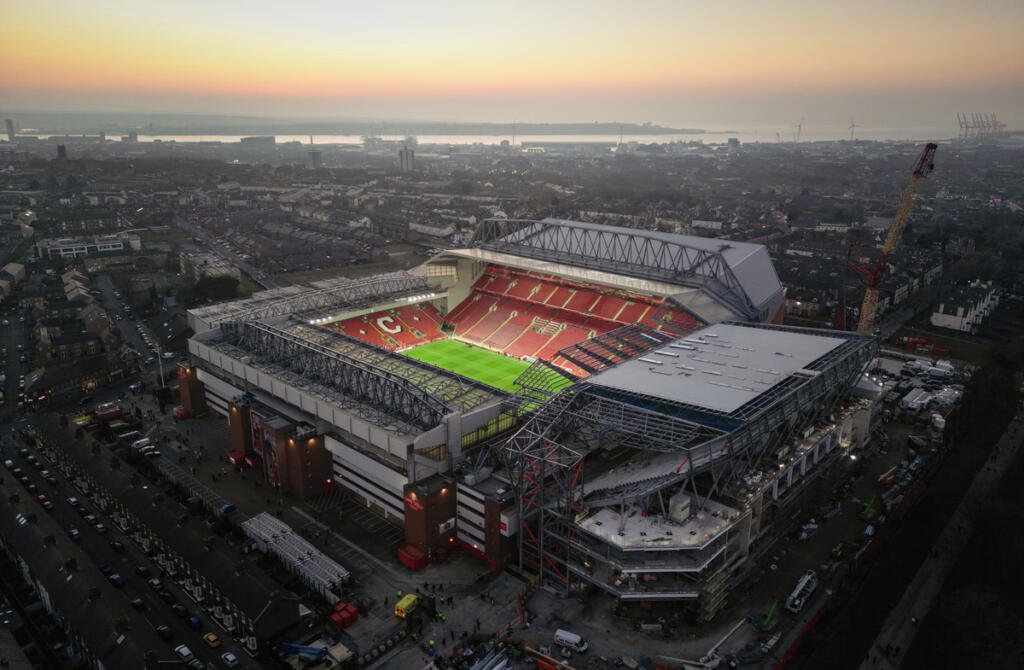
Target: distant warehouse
77,247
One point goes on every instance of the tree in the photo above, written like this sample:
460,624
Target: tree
214,288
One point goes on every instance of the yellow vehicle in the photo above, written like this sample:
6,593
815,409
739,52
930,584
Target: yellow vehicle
407,605
211,640
83,420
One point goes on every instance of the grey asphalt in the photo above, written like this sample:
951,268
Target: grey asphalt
900,627
98,549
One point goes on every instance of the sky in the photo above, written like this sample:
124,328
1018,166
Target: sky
673,62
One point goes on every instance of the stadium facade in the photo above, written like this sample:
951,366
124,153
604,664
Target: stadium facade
612,408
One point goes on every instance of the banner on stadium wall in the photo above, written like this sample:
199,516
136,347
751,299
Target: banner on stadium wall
256,421
270,456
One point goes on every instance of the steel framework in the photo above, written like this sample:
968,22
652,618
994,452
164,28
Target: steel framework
544,459
328,296
399,396
634,253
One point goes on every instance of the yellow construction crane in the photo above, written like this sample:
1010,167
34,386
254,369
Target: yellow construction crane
925,164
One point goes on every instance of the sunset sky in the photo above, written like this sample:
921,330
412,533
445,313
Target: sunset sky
668,61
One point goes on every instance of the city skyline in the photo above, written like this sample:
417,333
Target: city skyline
666,62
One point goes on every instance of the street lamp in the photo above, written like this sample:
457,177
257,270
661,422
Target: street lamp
160,363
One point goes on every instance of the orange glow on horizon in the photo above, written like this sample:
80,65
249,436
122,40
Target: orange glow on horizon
646,46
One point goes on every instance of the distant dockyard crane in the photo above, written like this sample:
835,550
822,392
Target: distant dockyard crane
874,274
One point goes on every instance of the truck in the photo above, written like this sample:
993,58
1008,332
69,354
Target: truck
805,586
916,400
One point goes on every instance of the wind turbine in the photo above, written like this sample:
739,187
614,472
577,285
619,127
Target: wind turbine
799,128
852,126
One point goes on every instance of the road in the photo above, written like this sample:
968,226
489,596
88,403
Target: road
901,626
97,546
130,335
228,254
13,336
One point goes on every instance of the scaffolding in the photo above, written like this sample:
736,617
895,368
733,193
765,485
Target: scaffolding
316,299
712,450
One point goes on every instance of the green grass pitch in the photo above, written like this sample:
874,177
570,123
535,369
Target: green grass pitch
482,365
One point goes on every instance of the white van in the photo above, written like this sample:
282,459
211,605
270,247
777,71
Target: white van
139,444
570,641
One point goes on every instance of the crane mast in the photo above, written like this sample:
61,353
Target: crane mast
925,164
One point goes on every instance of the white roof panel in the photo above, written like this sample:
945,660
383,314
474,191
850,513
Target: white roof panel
719,368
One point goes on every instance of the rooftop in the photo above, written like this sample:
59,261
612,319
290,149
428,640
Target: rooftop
721,367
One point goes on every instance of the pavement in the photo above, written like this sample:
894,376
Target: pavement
900,627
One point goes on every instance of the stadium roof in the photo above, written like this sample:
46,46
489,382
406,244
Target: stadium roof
721,367
314,299
738,275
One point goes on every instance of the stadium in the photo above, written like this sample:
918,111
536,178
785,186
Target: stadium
611,408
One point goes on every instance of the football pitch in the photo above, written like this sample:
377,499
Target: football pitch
485,366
